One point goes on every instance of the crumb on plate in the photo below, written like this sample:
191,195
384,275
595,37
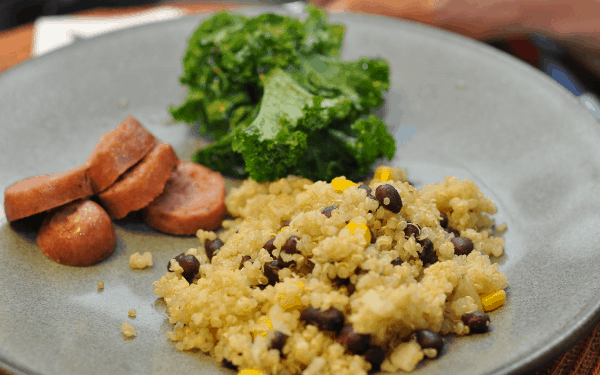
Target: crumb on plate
140,261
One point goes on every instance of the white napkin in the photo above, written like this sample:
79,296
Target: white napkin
54,32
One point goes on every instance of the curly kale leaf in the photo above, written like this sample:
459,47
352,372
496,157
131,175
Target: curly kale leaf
228,53
277,99
293,134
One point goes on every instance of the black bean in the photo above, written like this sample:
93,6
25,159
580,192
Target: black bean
212,247
356,343
283,264
330,320
429,339
412,230
443,220
229,365
190,265
368,189
462,245
453,231
373,238
476,321
388,191
278,341
375,356
338,283
271,271
398,261
428,254
289,247
269,246
245,259
350,288
327,210
285,224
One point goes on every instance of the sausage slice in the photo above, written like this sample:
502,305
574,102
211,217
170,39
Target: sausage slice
41,193
77,234
140,184
193,198
117,150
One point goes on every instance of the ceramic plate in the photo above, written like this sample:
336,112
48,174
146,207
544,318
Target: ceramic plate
456,106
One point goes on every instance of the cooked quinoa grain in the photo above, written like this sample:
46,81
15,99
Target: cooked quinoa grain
352,282
140,261
128,330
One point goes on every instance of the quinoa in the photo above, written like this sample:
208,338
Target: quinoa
128,330
140,261
354,258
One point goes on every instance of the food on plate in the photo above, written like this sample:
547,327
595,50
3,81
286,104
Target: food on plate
100,285
277,99
79,233
132,313
341,277
187,265
140,184
128,330
193,198
117,150
132,171
41,193
140,261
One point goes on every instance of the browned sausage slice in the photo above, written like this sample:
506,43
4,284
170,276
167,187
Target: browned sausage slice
194,198
77,234
140,184
117,150
41,193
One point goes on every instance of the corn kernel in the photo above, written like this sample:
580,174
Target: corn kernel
340,184
352,226
248,371
297,303
264,319
383,173
493,300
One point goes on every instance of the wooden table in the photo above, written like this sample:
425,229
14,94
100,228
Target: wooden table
15,47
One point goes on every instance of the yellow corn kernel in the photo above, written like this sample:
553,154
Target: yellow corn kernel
263,319
340,184
248,371
493,300
352,226
297,303
383,173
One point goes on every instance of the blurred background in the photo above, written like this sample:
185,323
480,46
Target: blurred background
18,12
558,37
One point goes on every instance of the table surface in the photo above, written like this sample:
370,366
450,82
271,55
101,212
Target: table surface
583,358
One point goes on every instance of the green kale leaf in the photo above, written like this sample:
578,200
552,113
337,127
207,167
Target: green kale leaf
277,99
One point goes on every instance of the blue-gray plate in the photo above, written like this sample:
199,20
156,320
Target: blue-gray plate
457,107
